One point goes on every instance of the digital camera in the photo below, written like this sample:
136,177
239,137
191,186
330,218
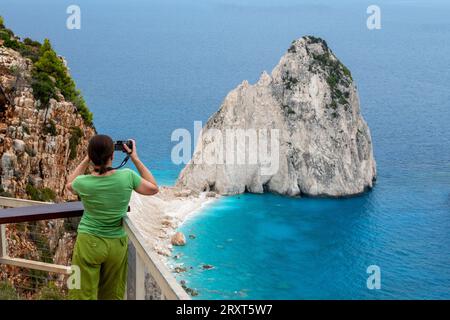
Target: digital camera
118,145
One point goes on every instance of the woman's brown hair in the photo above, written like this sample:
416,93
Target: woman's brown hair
100,150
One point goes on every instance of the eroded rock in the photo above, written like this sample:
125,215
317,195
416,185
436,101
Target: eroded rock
178,239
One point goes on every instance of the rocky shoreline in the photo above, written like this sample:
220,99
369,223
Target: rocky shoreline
158,217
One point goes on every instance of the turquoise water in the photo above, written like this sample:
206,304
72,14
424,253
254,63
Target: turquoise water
268,247
149,67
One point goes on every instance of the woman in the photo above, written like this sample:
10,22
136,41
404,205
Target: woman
101,247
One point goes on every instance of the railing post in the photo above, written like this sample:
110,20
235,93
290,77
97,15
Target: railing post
3,242
153,268
140,278
131,276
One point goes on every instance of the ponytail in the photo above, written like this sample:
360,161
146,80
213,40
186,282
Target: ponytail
103,169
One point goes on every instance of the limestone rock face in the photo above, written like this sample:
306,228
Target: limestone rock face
35,143
306,115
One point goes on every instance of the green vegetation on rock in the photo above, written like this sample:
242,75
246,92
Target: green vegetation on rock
40,194
288,109
7,291
289,81
4,193
51,292
49,73
50,128
339,79
28,48
314,40
75,138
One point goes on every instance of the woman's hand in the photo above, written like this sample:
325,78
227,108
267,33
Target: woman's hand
133,153
86,159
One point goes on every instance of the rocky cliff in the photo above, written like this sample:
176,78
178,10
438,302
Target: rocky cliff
41,140
306,114
44,130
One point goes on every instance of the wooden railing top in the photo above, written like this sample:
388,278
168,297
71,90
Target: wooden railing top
41,212
28,210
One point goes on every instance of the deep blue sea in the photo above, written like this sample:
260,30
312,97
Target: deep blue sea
148,67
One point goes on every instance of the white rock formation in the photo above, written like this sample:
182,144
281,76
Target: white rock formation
324,144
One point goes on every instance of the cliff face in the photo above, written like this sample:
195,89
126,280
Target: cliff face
309,108
44,130
38,146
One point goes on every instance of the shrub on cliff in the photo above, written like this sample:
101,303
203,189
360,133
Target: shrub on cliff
12,43
50,128
28,48
38,194
51,65
4,193
82,109
50,71
74,140
51,292
7,291
43,88
5,33
32,43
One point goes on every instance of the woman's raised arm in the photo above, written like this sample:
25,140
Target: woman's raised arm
148,184
81,169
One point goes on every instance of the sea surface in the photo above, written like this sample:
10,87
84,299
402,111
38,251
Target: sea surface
147,68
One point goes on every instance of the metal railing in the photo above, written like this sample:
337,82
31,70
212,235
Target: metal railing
148,277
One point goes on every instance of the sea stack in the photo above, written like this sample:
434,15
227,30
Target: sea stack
310,105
